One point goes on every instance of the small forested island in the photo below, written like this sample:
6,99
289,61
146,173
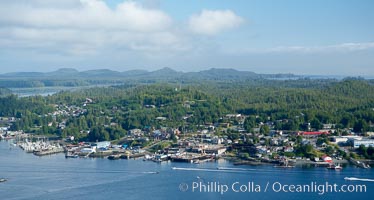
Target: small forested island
247,117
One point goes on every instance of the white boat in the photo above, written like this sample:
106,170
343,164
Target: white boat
335,167
70,154
338,167
284,166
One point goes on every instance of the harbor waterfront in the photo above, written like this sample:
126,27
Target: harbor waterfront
186,100
54,177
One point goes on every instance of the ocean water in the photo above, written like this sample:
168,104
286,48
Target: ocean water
54,177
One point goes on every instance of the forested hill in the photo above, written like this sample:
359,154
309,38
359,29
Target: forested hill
288,104
71,77
353,88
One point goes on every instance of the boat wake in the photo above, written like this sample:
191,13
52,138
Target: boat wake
358,179
195,169
232,170
243,170
151,172
236,169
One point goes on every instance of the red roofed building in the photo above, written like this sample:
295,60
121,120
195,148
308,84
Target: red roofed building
327,159
312,133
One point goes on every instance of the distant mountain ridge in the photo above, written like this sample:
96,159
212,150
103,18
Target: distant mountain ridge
213,73
71,77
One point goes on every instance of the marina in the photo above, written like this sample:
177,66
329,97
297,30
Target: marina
60,178
186,100
41,148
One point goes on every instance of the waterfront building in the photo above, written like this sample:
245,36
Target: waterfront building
102,145
216,150
339,140
88,150
365,142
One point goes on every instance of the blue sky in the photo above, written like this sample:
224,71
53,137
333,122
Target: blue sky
334,37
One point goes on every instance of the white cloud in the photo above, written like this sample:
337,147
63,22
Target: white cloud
336,48
44,3
91,27
85,26
211,22
344,47
88,14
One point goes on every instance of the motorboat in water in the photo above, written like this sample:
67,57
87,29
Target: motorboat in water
335,167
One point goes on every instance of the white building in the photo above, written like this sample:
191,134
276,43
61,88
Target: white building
136,132
88,150
102,145
366,143
370,134
217,140
216,151
339,140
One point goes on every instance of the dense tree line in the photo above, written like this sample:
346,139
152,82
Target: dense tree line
290,105
4,92
367,152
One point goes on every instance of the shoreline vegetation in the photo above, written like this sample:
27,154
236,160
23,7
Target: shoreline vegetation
149,156
195,117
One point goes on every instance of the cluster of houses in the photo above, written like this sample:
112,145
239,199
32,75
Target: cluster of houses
164,133
68,110
274,142
206,141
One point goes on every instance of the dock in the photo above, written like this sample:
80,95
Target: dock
48,152
360,164
132,156
190,158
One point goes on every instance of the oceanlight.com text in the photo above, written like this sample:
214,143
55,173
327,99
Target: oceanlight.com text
277,187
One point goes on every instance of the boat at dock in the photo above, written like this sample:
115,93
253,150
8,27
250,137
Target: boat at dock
284,166
196,161
335,167
114,157
284,163
70,155
48,151
160,158
41,148
147,157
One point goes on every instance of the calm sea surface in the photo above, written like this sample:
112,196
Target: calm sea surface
54,177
